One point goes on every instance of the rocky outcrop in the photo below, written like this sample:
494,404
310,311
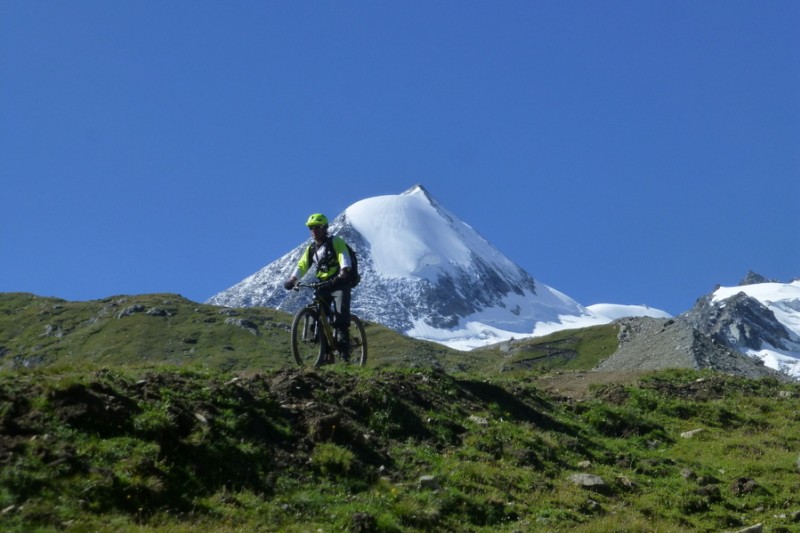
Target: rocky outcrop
754,278
741,322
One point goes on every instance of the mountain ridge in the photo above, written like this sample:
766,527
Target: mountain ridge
429,275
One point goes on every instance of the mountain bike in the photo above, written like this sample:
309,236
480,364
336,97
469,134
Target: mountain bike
313,336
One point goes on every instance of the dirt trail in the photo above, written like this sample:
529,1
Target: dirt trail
578,385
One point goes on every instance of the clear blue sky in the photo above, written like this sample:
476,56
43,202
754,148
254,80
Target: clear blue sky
619,151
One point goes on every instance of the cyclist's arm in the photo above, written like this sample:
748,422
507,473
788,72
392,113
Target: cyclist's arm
302,265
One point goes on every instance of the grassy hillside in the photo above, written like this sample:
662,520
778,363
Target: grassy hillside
155,413
167,328
575,349
343,449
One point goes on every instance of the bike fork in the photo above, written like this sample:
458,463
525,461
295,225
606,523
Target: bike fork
309,328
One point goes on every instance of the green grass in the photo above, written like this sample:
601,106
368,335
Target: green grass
153,329
579,349
179,449
179,421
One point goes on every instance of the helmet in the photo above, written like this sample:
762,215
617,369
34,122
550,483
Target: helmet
317,219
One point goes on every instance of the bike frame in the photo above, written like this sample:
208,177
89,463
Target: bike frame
319,306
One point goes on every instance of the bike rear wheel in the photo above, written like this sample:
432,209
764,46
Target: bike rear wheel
309,344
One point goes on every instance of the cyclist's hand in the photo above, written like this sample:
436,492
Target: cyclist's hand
289,284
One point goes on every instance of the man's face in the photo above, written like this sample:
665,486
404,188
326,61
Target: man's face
318,232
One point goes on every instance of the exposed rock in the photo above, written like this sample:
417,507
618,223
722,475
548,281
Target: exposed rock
363,523
752,278
743,485
249,325
758,528
479,420
130,310
656,344
626,482
429,482
692,433
707,480
52,331
711,492
587,480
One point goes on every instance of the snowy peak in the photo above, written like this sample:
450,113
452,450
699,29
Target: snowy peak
419,189
412,236
409,236
425,273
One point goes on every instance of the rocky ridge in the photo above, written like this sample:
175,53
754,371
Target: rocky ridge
724,331
657,344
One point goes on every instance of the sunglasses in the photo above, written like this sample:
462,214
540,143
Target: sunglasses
312,228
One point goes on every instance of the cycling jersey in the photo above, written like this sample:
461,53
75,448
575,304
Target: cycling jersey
330,257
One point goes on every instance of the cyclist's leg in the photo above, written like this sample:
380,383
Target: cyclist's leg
326,297
341,304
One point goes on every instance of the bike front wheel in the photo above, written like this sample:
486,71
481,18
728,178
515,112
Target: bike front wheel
309,344
358,342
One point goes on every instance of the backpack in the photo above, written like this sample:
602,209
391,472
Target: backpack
355,275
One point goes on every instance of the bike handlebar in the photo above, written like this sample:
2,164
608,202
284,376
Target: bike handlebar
315,285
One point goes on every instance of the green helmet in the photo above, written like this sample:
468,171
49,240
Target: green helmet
317,219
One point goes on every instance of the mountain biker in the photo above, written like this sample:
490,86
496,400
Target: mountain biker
333,264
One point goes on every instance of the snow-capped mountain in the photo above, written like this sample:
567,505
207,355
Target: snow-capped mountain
758,317
429,275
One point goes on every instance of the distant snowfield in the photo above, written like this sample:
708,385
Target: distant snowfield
783,299
615,311
475,334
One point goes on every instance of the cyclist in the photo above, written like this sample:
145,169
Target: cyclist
333,264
